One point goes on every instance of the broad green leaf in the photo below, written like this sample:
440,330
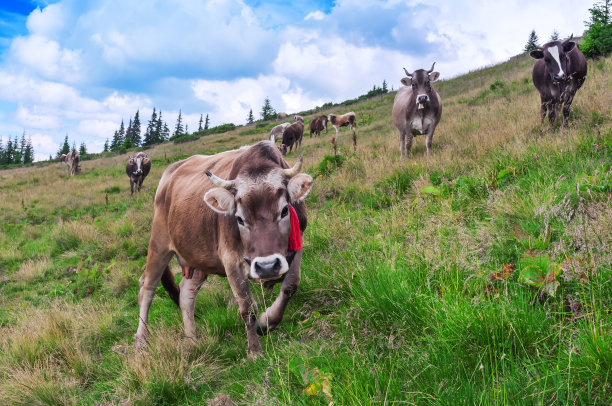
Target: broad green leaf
431,190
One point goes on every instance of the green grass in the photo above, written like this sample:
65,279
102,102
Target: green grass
398,303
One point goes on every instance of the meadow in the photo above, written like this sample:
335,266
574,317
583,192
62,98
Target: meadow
480,275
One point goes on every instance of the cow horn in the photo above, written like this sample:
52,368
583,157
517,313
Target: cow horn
569,39
408,74
432,66
226,184
291,172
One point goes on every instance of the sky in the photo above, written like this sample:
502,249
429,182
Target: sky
80,67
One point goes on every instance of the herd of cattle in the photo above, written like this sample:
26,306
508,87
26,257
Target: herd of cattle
252,218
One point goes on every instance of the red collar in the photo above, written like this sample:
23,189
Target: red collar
295,237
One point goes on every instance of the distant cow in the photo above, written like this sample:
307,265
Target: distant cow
249,227
292,136
137,168
281,116
317,125
72,161
417,108
343,120
277,132
558,73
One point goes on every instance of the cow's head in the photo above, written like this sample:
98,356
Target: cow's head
556,58
64,158
297,118
260,206
421,81
138,161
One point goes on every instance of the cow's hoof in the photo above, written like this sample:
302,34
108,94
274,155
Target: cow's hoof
252,355
140,343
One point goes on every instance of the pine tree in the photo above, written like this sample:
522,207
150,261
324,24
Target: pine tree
8,152
121,134
159,130
16,151
83,149
178,129
135,135
206,122
598,38
106,146
165,133
22,147
554,36
532,42
65,148
150,137
250,118
129,131
200,124
127,143
28,152
267,112
115,142
384,86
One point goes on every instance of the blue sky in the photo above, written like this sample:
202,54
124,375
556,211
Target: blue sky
79,67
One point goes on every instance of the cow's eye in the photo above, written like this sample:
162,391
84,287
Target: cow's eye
239,220
284,212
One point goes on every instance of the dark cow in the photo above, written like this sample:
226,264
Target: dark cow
317,125
558,73
137,168
343,120
417,108
292,136
248,227
72,160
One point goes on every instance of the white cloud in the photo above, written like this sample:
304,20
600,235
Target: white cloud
315,15
43,146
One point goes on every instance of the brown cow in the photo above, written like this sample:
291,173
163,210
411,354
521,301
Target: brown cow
343,120
243,230
137,168
72,160
417,108
560,70
317,125
292,136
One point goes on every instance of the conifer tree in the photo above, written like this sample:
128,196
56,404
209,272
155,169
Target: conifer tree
267,112
159,130
532,42
250,118
121,134
8,152
16,152
28,152
178,129
106,146
82,149
206,122
150,137
200,123
135,135
554,36
65,148
116,142
384,87
165,133
129,131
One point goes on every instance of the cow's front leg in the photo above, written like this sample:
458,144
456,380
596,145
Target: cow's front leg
131,186
246,305
274,314
553,107
429,139
566,108
189,288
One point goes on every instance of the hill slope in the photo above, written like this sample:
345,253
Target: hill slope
416,280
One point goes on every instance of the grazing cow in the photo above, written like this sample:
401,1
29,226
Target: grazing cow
317,125
137,168
344,120
292,136
277,131
249,226
417,108
281,116
297,118
72,160
558,73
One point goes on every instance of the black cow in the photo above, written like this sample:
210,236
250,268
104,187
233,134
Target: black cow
560,70
292,136
137,168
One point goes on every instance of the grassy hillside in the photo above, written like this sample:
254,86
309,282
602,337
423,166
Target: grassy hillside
480,275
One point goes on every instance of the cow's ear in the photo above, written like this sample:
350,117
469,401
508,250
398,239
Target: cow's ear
537,54
220,200
433,76
299,186
406,81
568,46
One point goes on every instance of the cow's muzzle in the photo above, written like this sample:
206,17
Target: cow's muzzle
270,267
421,100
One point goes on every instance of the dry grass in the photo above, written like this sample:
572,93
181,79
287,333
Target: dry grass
32,270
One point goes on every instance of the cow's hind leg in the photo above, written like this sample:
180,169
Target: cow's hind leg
274,314
157,264
189,289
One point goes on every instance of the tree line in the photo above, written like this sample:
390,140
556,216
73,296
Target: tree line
16,151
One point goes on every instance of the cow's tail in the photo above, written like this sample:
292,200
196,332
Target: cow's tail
170,285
